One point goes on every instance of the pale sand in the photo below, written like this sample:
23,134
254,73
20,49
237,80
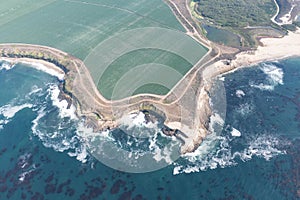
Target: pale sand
38,64
272,49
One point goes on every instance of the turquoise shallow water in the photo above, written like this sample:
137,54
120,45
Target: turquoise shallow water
43,157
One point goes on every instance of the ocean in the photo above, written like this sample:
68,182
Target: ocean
44,153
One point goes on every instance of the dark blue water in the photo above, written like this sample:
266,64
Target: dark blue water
256,156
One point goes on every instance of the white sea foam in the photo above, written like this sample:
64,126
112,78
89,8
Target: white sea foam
6,66
245,109
72,145
216,152
235,132
161,153
62,105
262,86
149,130
274,77
81,154
177,170
34,89
9,111
216,119
264,146
274,73
60,136
240,93
23,175
222,78
135,152
137,120
41,114
43,68
88,134
2,123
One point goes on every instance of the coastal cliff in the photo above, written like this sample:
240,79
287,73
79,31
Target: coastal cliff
186,108
101,114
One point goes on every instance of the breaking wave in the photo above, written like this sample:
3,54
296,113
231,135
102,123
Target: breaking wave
65,110
137,146
245,109
56,122
217,151
57,126
274,77
43,68
240,93
9,111
6,65
228,148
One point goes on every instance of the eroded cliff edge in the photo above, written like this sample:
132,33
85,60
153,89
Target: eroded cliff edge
180,108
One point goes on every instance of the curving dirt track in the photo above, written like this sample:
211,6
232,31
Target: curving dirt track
178,106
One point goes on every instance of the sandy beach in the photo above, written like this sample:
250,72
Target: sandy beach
272,49
38,64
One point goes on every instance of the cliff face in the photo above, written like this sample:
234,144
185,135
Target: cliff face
187,113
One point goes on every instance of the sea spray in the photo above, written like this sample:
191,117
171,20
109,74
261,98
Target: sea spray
274,77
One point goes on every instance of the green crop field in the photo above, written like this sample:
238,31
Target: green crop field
78,27
133,59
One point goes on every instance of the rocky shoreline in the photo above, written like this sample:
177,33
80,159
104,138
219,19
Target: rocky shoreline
189,115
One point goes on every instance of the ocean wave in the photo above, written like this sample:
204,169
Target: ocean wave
44,68
34,90
80,153
4,65
162,153
9,111
262,86
274,73
274,77
64,109
15,105
137,120
2,123
130,152
240,93
216,151
56,122
216,123
26,166
235,132
265,146
245,109
222,78
60,135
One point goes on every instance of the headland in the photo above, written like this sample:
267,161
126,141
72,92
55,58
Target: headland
186,108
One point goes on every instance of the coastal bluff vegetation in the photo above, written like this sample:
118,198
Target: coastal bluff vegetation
244,21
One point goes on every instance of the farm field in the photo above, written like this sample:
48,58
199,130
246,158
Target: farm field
133,59
78,27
